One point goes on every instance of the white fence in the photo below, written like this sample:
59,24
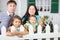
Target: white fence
39,35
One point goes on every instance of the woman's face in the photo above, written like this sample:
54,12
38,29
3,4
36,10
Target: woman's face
32,20
16,22
32,10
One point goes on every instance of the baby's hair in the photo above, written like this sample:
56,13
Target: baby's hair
11,23
31,16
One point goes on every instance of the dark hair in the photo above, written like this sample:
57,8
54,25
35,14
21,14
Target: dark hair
27,13
11,1
11,23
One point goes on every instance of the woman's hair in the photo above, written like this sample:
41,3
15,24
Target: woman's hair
27,13
11,23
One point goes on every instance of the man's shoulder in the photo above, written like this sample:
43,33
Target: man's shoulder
2,13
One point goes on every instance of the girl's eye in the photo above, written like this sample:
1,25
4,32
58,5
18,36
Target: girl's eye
16,22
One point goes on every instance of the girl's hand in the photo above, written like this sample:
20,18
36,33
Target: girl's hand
9,34
20,35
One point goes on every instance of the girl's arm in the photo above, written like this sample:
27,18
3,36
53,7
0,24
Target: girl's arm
22,32
9,33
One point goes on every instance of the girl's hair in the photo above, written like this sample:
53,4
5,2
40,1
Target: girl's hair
27,13
11,23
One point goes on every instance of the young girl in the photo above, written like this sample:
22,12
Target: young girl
16,27
32,21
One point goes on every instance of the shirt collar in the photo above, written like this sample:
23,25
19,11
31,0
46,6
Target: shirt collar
8,13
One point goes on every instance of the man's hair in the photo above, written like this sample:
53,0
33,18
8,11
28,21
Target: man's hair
11,1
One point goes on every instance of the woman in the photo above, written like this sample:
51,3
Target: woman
31,10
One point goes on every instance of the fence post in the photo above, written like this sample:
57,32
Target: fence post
31,31
55,30
39,31
47,31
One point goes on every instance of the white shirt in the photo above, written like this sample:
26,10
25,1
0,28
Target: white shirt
14,28
8,13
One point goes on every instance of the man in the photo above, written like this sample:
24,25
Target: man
6,17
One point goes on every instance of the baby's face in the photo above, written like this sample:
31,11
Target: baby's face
32,20
16,22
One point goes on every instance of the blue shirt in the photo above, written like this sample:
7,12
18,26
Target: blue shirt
4,20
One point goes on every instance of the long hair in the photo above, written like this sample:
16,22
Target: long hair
11,23
27,13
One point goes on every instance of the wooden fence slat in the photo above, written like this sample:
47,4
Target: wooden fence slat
39,29
47,29
55,38
47,38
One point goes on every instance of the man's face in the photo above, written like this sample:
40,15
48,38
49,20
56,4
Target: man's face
11,7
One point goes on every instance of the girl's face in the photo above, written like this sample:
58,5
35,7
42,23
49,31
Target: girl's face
32,10
32,20
16,22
